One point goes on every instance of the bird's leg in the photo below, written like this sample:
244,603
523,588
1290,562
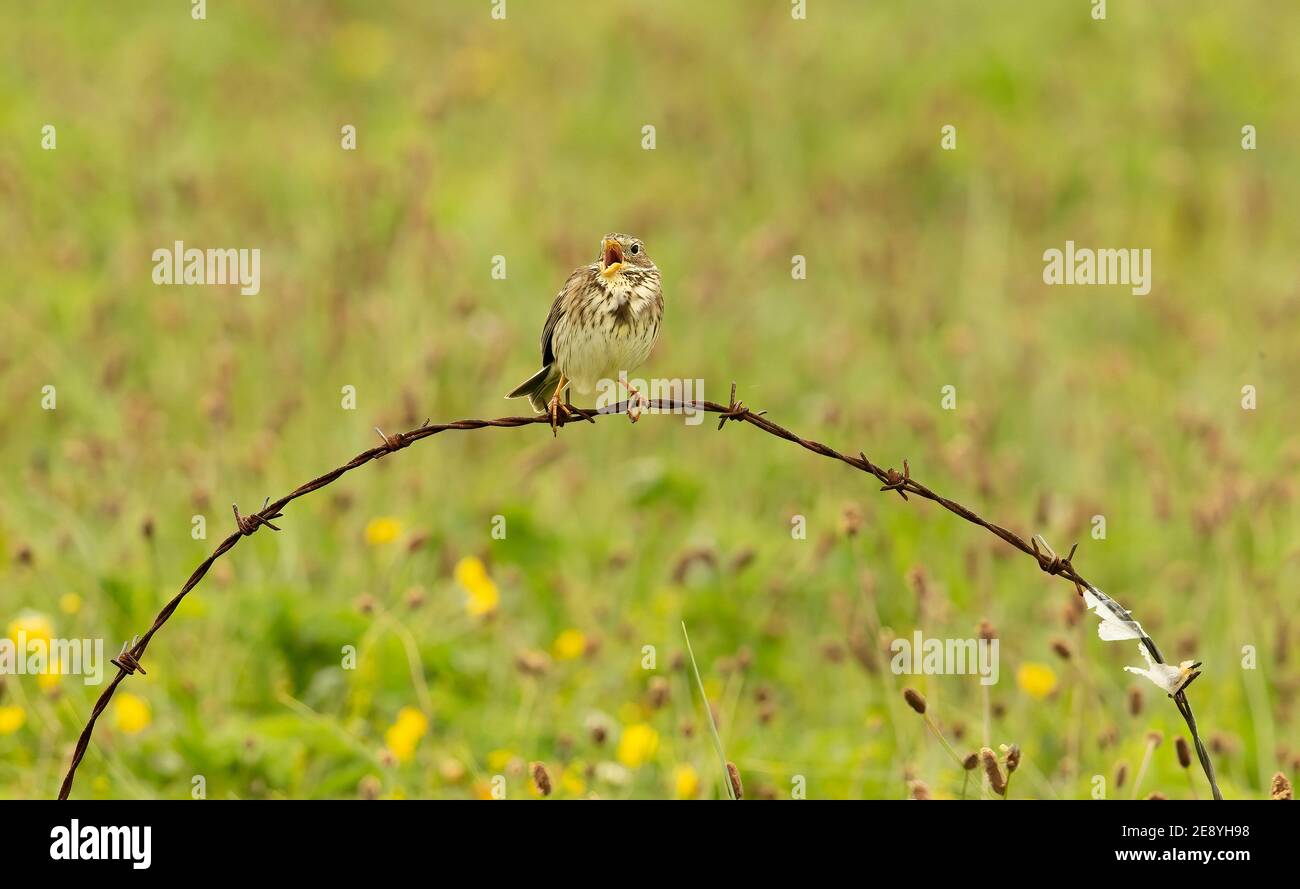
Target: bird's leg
634,397
554,406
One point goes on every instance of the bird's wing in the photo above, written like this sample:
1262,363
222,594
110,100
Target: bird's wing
557,309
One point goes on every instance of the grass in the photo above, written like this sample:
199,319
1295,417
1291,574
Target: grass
522,139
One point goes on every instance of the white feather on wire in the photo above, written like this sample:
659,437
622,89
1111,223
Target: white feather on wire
1117,625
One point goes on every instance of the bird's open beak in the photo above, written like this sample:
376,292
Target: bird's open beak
611,257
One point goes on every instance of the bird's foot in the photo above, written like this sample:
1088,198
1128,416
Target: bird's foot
635,398
555,408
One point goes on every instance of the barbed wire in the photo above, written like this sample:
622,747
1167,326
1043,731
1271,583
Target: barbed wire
890,478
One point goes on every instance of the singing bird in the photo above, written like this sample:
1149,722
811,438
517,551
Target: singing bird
605,320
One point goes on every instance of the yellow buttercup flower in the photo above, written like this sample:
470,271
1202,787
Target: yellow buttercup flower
569,645
638,744
35,625
131,713
484,597
69,603
383,530
1036,680
11,719
686,782
405,733
497,760
48,679
571,779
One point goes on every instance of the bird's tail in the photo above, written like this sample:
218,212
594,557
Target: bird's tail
538,388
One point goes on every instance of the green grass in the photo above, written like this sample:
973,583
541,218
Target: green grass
522,138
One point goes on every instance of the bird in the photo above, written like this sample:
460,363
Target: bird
605,320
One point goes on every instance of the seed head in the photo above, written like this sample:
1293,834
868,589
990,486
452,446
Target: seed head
1134,701
542,778
1184,752
990,760
733,775
914,700
1281,787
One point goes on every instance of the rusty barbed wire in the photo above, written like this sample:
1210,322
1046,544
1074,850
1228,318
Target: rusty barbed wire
891,479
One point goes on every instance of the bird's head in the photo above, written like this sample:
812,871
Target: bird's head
618,252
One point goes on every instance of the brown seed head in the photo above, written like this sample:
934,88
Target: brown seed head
914,700
971,761
1281,787
986,631
1013,758
919,790
1062,649
733,775
1156,794
851,520
657,695
1121,772
1134,701
369,787
542,778
1155,739
1184,752
990,760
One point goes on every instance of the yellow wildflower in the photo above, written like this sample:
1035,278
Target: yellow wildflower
405,733
497,760
69,603
472,575
35,625
1036,680
131,713
569,645
48,679
11,719
383,530
637,745
571,779
686,782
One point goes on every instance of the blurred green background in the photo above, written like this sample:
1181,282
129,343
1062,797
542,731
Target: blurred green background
775,137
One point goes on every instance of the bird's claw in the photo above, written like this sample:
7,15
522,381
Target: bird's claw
634,397
554,407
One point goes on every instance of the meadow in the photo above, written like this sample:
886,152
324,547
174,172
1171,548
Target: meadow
388,644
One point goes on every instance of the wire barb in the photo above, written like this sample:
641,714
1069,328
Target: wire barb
126,660
1050,562
895,481
736,410
394,442
250,523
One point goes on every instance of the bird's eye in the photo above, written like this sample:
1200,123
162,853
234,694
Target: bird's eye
636,248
